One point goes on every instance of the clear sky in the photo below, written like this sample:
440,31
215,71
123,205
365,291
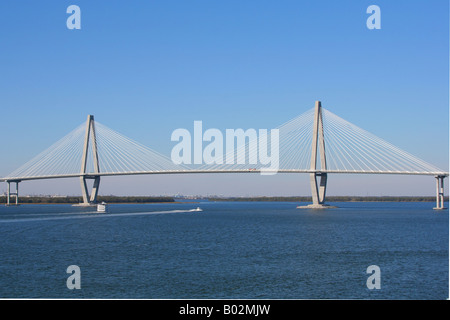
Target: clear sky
146,68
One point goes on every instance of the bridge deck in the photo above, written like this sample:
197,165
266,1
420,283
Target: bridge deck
193,171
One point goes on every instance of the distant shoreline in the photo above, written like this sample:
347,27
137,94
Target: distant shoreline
76,200
335,199
147,200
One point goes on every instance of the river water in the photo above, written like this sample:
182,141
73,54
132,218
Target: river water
230,250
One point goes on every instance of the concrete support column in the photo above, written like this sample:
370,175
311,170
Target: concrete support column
314,190
8,193
84,190
89,140
439,193
94,192
17,193
322,188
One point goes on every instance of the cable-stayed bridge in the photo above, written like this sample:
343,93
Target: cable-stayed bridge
317,142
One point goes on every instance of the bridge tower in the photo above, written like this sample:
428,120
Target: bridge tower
89,139
318,190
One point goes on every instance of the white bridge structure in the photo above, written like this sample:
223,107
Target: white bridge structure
317,142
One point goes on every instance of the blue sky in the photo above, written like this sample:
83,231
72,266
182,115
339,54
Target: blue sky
145,68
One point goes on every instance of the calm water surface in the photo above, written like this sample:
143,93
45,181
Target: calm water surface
235,250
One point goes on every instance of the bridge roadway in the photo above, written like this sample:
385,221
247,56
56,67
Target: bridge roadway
192,171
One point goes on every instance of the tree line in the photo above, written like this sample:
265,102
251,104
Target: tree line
75,200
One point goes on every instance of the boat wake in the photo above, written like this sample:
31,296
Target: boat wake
95,214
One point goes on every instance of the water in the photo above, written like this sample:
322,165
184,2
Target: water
230,250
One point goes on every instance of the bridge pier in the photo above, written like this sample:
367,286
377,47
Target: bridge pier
9,193
89,136
318,191
439,193
92,198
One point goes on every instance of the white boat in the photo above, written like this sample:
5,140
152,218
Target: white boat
198,209
102,207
